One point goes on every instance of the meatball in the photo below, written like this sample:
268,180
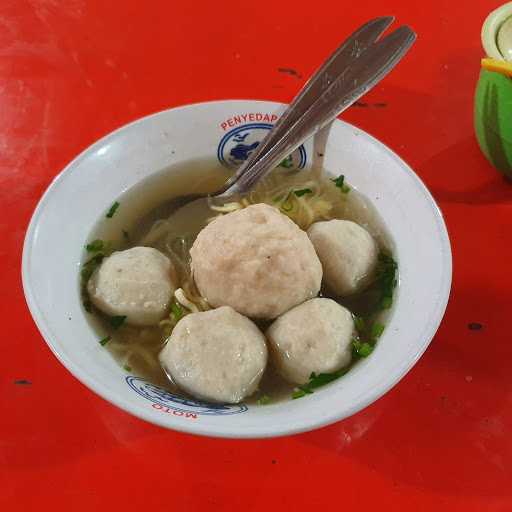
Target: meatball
257,261
348,254
136,283
217,355
313,337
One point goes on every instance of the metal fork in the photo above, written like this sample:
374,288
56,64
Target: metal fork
351,71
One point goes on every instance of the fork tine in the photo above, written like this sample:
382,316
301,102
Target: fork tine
384,55
359,77
350,50
367,34
333,67
363,73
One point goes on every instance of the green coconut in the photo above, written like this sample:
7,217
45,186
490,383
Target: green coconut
493,119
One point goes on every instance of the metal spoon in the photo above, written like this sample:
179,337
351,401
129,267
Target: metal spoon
351,71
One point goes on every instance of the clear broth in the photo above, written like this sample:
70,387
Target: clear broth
137,349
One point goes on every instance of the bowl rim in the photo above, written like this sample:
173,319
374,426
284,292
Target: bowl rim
228,431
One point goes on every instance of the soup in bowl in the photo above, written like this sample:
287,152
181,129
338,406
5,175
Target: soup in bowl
278,313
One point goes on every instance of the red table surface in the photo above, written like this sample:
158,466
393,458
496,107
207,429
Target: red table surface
72,71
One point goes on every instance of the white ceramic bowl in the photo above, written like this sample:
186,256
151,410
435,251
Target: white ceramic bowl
89,184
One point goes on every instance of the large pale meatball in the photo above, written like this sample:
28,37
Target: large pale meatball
136,283
257,261
348,254
218,355
313,337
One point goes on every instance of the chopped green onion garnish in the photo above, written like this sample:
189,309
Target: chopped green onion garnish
95,246
287,162
90,265
340,183
86,272
365,350
264,400
100,249
359,324
127,368
377,330
386,302
298,393
317,381
94,261
305,389
386,279
362,349
300,193
105,340
126,236
112,210
176,311
117,321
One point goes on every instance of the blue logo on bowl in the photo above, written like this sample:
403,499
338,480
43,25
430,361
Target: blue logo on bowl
180,404
237,145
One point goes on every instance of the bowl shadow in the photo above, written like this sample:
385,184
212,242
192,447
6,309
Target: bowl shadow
451,410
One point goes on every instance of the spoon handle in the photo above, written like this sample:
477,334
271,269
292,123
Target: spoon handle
332,68
350,72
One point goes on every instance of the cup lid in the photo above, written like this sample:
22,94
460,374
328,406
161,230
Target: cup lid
490,30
